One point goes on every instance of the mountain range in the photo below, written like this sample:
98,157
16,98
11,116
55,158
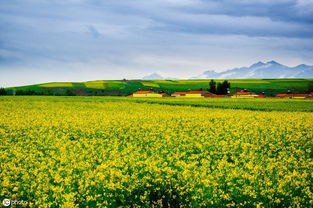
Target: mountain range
259,70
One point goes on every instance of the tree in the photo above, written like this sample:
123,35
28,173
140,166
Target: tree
310,87
212,86
69,93
226,87
3,91
222,88
219,89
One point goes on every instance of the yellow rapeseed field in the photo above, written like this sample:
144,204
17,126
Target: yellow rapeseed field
122,154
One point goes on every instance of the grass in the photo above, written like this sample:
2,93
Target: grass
269,86
57,84
95,85
265,104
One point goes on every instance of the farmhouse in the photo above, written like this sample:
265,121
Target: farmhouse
192,93
149,93
245,94
310,95
292,95
164,94
300,95
178,94
216,96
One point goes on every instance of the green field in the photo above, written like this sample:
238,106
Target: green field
78,151
265,104
126,87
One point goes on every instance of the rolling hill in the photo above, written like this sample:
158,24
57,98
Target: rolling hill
126,87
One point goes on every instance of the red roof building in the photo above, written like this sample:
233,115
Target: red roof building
310,95
149,93
192,93
292,95
175,94
245,94
143,92
165,95
198,92
215,96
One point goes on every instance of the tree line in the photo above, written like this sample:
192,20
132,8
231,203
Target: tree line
3,91
221,88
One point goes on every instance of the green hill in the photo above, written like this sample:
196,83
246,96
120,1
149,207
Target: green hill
126,87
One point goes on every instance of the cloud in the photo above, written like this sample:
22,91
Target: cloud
305,8
94,32
113,39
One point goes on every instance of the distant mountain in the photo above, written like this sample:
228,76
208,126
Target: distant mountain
153,76
156,76
261,70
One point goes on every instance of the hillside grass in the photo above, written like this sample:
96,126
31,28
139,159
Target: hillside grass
125,87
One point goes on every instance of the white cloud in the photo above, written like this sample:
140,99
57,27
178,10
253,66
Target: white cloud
91,39
305,8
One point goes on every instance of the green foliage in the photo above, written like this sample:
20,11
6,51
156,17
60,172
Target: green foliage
310,87
219,89
3,91
212,86
265,104
226,85
223,88
69,93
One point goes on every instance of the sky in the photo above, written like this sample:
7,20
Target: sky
79,40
